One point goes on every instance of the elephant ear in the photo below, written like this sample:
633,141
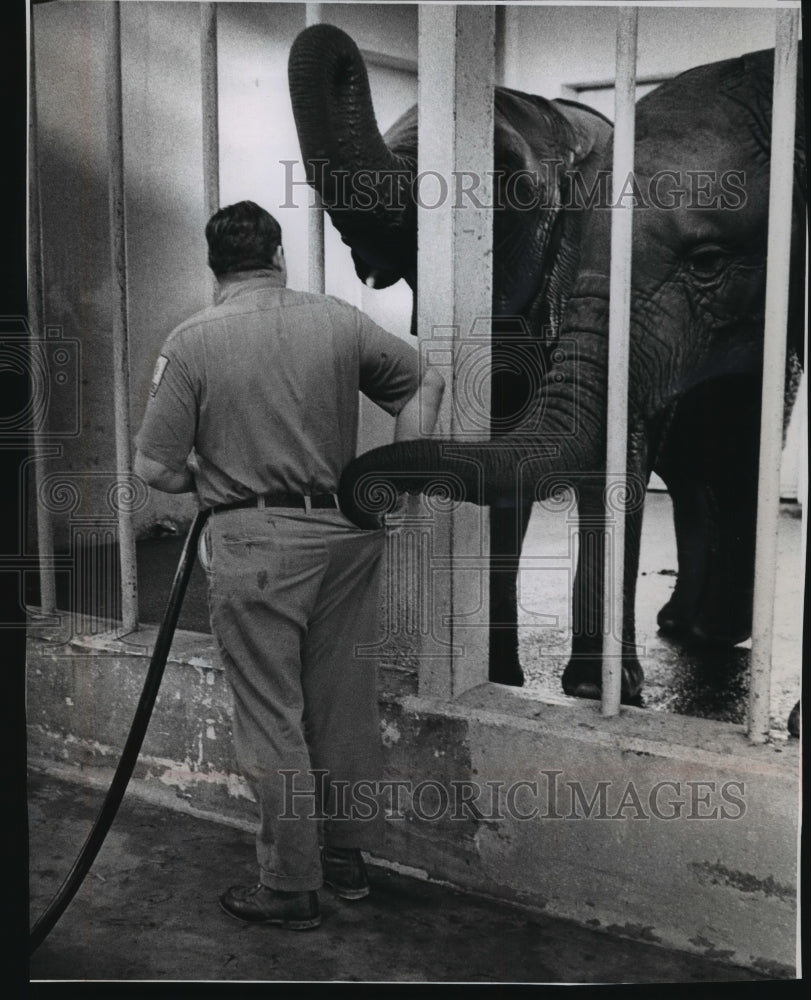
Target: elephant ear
581,147
590,130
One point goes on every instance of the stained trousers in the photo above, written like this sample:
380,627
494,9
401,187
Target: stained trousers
292,594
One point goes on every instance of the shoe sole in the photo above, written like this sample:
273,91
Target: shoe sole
291,925
348,893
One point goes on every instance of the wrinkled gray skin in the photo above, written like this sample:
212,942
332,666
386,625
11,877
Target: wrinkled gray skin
696,355
535,251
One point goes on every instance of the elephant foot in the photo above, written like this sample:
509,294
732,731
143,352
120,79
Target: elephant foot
584,679
674,620
722,630
504,665
727,634
513,677
794,721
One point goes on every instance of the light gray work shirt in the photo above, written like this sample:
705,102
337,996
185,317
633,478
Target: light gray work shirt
264,385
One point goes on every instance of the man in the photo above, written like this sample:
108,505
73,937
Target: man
254,405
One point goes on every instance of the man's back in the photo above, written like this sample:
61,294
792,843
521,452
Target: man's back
269,378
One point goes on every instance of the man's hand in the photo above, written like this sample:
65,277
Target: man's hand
418,417
159,477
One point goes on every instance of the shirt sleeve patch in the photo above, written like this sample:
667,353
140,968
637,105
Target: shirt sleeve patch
157,375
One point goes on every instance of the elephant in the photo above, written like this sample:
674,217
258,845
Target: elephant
699,250
534,248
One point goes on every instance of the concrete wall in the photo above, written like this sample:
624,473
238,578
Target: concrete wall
705,862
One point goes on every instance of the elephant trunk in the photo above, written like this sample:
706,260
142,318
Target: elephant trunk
562,441
345,156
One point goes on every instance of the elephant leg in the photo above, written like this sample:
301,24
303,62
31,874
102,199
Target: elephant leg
514,358
724,614
508,526
713,458
583,674
632,673
692,518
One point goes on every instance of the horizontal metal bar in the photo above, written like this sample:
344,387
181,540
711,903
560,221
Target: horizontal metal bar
373,57
641,81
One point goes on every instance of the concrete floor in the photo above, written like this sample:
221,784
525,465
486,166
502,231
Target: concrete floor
148,911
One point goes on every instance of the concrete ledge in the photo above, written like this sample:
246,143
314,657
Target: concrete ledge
665,828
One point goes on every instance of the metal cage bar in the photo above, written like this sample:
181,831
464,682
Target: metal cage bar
121,366
45,535
316,276
618,352
210,95
454,294
774,367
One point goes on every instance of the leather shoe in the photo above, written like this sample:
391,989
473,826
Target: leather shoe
345,871
258,904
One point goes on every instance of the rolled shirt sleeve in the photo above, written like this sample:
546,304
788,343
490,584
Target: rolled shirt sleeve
168,428
389,367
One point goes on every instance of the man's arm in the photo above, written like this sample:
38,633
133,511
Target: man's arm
418,417
159,477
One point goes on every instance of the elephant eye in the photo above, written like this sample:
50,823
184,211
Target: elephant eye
706,261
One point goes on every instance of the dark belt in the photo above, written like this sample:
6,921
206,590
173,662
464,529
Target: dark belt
319,501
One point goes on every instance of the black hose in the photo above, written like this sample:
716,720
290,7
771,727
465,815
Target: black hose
132,747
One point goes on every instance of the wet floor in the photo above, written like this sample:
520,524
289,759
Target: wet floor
148,911
706,681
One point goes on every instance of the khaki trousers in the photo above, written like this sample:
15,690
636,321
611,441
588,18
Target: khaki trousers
291,596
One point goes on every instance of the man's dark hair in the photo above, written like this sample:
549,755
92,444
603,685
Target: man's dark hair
242,237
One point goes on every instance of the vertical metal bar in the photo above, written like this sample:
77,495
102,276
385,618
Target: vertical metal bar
210,93
316,277
45,538
499,71
802,491
774,367
121,363
510,53
618,350
454,283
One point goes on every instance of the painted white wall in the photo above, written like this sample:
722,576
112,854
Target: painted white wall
258,134
554,46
